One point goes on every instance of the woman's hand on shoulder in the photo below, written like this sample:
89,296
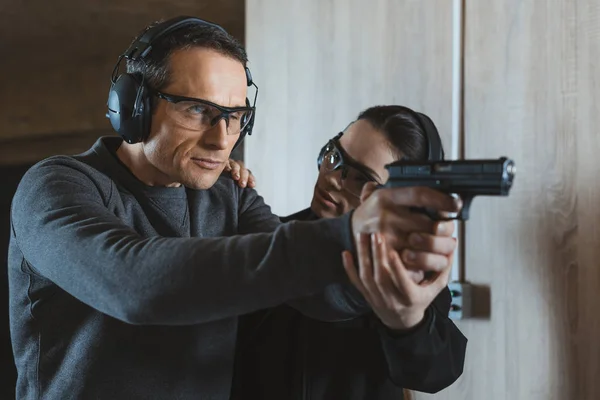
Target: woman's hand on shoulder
240,173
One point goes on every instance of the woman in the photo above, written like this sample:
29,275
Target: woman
286,355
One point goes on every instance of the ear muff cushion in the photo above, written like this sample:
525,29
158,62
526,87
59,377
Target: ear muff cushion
131,124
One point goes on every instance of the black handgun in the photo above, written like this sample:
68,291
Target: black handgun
465,178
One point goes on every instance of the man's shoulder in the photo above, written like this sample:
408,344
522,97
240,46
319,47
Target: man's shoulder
248,203
225,184
63,164
72,168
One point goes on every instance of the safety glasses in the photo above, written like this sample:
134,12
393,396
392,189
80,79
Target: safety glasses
354,175
201,115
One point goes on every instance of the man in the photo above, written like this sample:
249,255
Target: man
130,263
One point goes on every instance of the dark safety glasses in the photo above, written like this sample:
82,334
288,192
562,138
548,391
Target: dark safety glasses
201,115
354,175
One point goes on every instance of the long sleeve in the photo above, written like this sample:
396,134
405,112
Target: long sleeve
338,301
429,358
66,233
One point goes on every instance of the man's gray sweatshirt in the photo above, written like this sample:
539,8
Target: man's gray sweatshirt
123,291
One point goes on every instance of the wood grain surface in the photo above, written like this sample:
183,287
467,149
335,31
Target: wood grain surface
320,62
532,92
57,58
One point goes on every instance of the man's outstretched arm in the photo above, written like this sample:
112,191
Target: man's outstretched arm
66,233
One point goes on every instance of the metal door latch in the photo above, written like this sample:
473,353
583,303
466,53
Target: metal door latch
461,305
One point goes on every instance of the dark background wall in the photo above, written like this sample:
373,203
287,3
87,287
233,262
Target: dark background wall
57,58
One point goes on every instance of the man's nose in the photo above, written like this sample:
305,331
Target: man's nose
216,137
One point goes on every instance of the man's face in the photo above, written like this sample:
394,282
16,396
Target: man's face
195,158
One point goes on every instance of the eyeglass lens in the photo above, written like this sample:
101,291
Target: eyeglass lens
198,116
352,179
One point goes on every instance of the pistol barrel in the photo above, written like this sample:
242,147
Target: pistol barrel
492,177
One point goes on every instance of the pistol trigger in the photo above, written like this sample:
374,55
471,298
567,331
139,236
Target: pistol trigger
463,215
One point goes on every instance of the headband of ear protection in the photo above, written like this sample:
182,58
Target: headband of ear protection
435,150
129,99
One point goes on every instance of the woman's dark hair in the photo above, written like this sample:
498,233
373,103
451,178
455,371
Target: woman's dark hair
156,70
402,129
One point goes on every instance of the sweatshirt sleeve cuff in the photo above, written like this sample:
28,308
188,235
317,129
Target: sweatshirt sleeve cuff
408,338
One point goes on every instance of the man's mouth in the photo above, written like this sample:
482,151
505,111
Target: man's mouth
207,163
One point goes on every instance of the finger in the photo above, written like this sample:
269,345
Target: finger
451,260
391,265
228,165
235,169
400,221
422,197
440,282
428,262
399,240
350,268
404,282
405,221
432,244
397,227
244,173
251,179
363,254
381,269
367,190
366,272
417,276
389,218
444,228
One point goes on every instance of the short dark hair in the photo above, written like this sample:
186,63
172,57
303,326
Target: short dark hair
156,68
400,125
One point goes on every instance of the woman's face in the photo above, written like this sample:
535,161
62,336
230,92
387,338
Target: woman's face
363,146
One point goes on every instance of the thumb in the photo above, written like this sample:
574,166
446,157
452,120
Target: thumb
367,191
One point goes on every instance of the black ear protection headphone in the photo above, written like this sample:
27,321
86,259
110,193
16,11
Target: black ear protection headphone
129,99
